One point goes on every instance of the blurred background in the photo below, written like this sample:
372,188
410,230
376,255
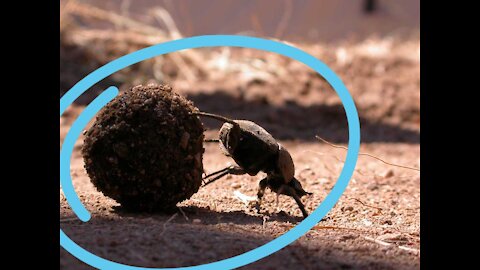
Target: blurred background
374,47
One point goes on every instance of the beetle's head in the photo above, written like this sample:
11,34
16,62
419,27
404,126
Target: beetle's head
229,133
229,136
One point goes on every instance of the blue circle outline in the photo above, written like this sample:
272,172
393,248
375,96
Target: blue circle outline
192,43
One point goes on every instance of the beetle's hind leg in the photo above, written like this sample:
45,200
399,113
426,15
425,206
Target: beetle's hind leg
221,173
289,191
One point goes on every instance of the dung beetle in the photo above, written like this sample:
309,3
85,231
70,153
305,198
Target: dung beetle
255,150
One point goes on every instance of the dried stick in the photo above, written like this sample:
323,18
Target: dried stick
163,16
364,204
284,20
366,154
413,250
100,14
183,213
336,228
380,242
386,244
167,222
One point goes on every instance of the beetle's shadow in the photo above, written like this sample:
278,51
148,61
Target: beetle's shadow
157,240
210,217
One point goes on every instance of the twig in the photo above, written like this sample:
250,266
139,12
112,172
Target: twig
100,14
257,27
167,222
336,228
183,213
284,20
324,154
380,242
163,16
364,204
386,244
414,250
366,154
84,36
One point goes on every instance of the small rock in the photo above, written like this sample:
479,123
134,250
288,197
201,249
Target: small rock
236,185
388,222
388,174
196,221
372,186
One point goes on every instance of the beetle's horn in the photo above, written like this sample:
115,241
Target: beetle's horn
217,117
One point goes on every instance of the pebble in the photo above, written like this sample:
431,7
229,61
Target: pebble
236,185
196,221
388,222
388,174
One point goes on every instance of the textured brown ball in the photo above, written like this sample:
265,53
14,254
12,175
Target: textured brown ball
145,149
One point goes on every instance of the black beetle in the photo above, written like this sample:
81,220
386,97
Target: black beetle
255,150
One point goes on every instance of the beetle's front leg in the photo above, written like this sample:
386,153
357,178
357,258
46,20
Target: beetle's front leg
261,191
235,170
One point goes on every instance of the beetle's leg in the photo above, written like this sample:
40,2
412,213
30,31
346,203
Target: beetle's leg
212,140
230,169
221,173
215,173
289,191
277,199
261,191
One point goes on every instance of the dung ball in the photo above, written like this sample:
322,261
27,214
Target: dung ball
145,149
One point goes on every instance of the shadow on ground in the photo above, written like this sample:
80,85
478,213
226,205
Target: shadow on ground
293,121
153,241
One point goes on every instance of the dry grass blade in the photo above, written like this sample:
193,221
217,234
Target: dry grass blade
85,10
287,14
386,244
366,154
167,222
318,227
413,250
364,204
380,242
183,214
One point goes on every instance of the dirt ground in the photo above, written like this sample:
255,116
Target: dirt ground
375,224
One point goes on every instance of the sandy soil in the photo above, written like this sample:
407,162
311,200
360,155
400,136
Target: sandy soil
220,226
376,223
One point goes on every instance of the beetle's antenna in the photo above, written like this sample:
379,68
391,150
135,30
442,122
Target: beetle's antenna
217,117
